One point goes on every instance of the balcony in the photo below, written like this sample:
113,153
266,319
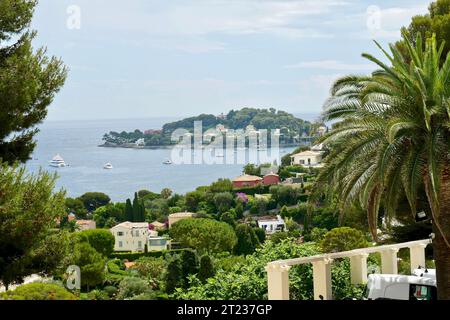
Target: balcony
278,271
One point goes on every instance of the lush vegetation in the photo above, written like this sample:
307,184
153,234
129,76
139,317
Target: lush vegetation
28,211
38,291
386,157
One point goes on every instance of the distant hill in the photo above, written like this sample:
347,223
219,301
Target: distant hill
290,126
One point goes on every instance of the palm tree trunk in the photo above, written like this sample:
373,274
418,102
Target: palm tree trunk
440,247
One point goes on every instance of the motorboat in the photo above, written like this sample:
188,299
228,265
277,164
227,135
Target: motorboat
108,166
167,162
57,162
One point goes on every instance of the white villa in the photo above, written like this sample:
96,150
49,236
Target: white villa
135,236
131,236
271,224
307,158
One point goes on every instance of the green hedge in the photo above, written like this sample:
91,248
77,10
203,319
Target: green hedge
132,256
260,189
303,198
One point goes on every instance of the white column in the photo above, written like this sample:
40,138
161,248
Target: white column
322,279
278,281
358,268
389,263
417,256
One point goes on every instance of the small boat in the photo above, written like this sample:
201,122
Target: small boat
57,162
167,162
108,166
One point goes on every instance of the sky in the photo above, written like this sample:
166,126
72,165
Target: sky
159,58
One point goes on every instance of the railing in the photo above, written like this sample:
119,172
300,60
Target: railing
278,271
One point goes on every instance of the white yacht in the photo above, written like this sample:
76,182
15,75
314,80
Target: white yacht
108,166
57,162
167,162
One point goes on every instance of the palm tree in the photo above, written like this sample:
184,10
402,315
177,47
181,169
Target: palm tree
392,140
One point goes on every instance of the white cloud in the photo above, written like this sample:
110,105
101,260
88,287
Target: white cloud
331,65
205,17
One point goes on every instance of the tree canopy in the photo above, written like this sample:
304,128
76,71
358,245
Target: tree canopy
198,234
29,81
29,210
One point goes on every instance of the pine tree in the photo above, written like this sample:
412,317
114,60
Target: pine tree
29,81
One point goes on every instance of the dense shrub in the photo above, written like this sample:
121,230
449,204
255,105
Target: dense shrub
247,240
174,275
150,267
343,239
325,218
133,256
101,240
248,280
38,291
278,237
132,286
260,189
206,269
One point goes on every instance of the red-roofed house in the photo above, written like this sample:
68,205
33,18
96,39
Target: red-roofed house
271,179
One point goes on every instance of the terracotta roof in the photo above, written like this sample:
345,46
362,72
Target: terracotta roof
181,214
271,174
247,177
130,225
83,222
130,264
266,218
157,224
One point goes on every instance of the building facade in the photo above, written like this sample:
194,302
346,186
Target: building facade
307,158
271,224
131,236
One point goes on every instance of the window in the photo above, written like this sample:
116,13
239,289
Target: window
139,244
120,234
157,242
120,244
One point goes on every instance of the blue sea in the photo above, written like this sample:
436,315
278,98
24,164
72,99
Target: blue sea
134,169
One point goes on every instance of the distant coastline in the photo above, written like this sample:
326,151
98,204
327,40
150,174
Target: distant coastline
134,146
290,130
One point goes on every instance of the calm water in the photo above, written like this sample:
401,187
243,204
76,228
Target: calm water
77,142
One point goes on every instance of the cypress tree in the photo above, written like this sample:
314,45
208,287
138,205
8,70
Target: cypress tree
190,264
174,274
207,269
128,211
136,208
247,240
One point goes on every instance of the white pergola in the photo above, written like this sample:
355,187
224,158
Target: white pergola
278,271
